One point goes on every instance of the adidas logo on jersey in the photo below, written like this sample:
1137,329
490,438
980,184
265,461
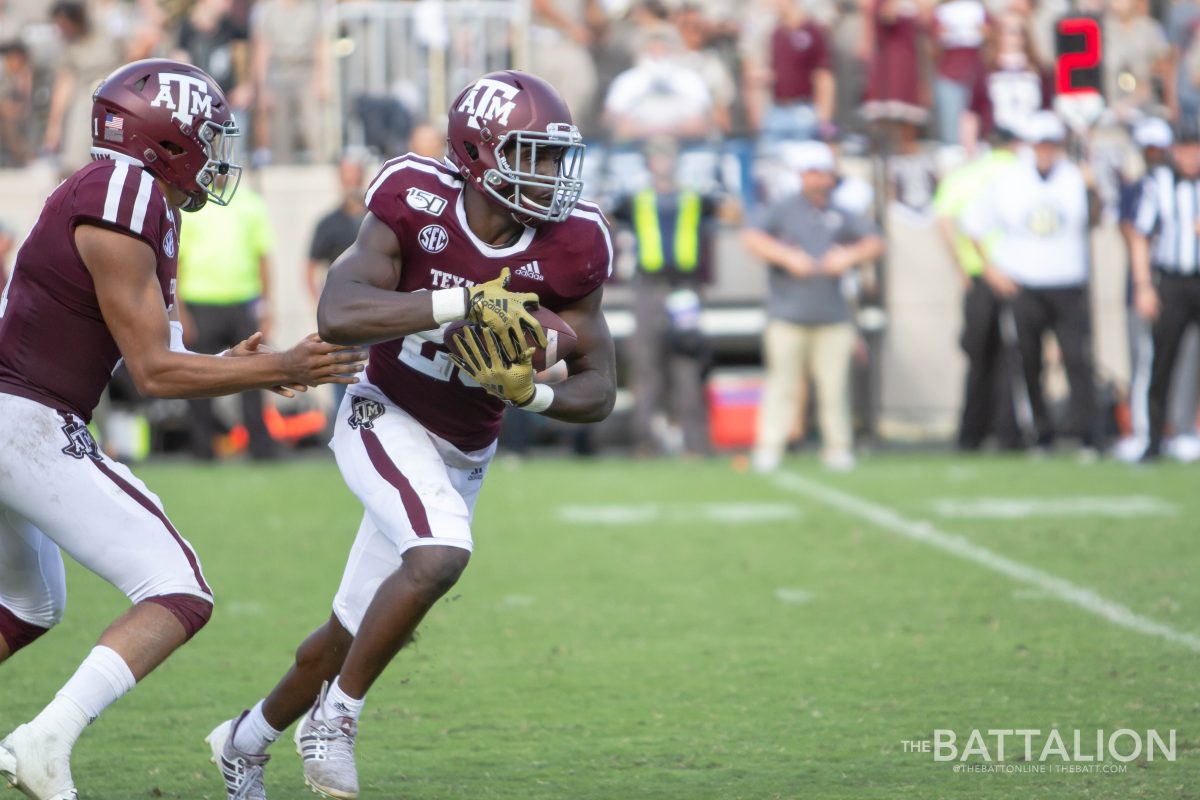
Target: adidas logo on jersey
532,270
476,474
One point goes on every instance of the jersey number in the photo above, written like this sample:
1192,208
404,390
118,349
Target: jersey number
426,357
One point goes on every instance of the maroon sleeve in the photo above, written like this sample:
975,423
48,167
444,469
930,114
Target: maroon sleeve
385,196
822,57
586,253
600,267
121,197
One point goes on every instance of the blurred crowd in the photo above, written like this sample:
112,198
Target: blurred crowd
270,56
697,69
749,87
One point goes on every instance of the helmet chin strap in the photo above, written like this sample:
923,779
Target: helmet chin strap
195,201
526,220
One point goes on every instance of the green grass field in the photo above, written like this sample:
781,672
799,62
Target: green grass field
684,631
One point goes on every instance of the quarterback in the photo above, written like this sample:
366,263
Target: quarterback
496,226
95,283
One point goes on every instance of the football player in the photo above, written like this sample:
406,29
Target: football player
497,225
95,283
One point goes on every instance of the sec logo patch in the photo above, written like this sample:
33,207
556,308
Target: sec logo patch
169,243
433,238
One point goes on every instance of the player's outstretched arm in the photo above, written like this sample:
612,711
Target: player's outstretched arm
588,393
360,304
123,270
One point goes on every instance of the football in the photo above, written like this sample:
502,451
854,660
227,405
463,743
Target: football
560,338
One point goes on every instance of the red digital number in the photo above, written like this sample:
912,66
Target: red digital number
1070,63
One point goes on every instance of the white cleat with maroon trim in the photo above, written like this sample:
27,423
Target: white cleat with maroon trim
327,747
242,772
37,763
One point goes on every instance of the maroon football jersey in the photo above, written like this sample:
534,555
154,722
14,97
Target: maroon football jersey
54,345
421,200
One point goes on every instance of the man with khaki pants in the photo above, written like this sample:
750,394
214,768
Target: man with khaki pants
809,247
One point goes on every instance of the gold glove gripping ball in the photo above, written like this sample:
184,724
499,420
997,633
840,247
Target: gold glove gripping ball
507,314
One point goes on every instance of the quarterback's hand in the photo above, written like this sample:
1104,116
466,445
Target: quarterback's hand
512,381
313,362
253,346
492,306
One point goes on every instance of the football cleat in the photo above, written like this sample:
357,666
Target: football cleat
39,765
242,772
327,747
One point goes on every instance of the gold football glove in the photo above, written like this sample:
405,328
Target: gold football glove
492,306
480,357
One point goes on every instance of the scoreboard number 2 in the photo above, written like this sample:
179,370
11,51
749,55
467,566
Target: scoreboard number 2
1079,46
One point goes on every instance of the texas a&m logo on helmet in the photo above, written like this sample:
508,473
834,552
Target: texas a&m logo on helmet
187,96
488,100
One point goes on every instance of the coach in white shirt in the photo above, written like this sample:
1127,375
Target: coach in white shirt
1039,210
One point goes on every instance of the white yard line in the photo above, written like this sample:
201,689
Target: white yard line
792,596
1020,508
624,514
924,532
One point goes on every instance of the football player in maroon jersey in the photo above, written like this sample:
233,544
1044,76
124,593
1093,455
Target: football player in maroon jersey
95,283
497,224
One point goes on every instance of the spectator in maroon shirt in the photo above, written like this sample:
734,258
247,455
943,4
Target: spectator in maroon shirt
1012,85
801,77
896,95
960,28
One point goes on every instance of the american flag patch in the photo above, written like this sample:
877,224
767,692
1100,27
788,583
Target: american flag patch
114,128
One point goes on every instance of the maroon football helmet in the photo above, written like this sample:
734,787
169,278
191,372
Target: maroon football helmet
173,119
501,127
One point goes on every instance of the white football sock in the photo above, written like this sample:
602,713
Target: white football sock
100,681
63,718
340,704
254,734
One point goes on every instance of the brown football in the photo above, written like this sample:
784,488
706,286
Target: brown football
560,338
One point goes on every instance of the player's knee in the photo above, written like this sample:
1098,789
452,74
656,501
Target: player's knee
434,570
192,612
18,633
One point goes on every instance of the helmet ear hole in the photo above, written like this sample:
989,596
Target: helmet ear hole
471,149
172,148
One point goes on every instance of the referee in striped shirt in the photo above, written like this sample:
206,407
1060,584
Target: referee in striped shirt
1165,260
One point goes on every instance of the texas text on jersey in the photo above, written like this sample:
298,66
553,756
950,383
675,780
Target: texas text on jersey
55,347
421,200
